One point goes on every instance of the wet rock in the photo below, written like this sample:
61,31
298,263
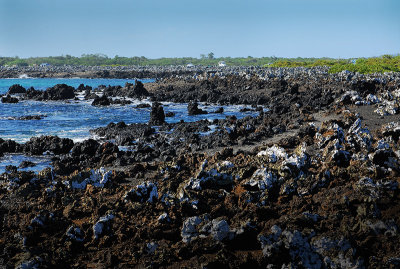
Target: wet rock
9,99
157,116
193,109
10,146
84,88
30,117
87,147
55,93
101,101
54,144
16,89
143,105
139,89
60,92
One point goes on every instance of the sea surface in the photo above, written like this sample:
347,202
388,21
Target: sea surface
73,119
44,83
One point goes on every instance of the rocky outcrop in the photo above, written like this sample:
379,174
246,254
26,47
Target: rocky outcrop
56,93
9,99
101,101
16,89
52,144
157,116
193,109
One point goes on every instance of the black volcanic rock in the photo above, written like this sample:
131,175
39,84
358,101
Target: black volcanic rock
139,90
54,144
87,147
157,116
16,88
193,109
60,92
101,101
9,99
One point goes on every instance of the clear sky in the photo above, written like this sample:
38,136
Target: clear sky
178,28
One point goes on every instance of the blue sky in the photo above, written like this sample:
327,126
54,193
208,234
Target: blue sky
178,28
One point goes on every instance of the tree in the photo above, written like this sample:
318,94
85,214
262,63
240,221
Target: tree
202,56
211,55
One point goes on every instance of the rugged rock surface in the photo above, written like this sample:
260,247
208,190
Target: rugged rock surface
285,189
101,101
58,92
16,89
157,116
193,109
9,99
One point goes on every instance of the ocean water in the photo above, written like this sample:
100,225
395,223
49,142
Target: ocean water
73,119
44,83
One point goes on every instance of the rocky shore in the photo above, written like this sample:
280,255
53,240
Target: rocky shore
312,181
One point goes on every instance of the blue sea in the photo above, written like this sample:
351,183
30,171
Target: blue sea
74,119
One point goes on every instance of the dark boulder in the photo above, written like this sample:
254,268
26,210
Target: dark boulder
9,146
139,90
9,99
157,116
87,147
54,144
60,92
83,88
193,109
15,89
101,101
121,102
143,105
30,117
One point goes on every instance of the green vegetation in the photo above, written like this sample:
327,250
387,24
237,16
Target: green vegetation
381,64
386,63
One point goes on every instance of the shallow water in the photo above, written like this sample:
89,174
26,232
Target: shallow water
44,83
15,159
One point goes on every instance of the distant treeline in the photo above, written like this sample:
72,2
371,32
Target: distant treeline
385,63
